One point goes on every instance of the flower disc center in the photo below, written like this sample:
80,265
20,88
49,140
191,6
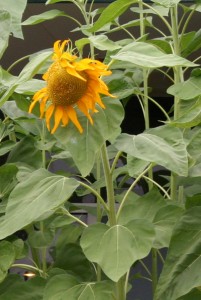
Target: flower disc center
63,88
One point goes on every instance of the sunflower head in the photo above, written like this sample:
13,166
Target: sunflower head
71,84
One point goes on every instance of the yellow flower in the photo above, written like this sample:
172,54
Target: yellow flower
71,84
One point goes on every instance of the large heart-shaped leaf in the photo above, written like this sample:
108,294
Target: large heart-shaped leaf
162,145
181,272
41,189
84,147
117,247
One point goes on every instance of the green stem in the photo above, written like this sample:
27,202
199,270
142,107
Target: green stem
115,161
67,213
99,212
158,185
121,288
18,61
30,268
109,186
43,251
130,189
178,77
158,105
161,257
154,270
145,267
98,196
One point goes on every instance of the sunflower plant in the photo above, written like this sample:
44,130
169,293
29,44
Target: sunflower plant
88,208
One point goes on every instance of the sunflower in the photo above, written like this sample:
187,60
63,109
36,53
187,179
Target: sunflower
72,84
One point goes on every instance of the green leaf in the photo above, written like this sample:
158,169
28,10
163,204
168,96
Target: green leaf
41,189
148,56
33,66
193,45
117,247
111,12
26,152
144,207
31,69
58,285
5,25
7,257
14,287
6,146
163,145
181,272
188,89
102,42
8,178
135,166
65,286
167,3
90,291
193,295
71,258
152,207
189,119
84,147
47,15
15,9
164,222
40,239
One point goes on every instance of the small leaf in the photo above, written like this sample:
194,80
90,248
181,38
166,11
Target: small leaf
162,145
188,89
47,15
7,257
8,178
167,3
111,12
189,119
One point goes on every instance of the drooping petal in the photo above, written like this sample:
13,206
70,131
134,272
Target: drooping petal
73,117
32,105
42,106
48,115
65,118
82,106
57,117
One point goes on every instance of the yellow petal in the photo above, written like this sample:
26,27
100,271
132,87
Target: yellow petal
84,109
73,72
32,105
73,117
42,106
57,117
65,118
48,115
